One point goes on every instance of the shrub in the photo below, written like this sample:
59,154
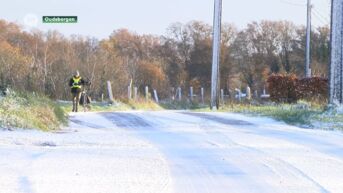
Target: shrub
288,88
282,88
314,88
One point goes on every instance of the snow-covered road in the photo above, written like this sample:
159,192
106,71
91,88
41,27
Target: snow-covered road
171,151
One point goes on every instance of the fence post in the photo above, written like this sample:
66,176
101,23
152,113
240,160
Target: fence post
222,95
248,93
202,95
264,90
109,89
155,95
135,93
179,93
129,94
191,93
239,94
172,93
146,93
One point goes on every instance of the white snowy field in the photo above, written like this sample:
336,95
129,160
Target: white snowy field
171,151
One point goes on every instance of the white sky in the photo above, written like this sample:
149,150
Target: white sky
99,18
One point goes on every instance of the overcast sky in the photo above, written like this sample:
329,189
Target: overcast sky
99,18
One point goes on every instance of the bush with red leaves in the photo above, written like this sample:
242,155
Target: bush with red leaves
288,88
314,88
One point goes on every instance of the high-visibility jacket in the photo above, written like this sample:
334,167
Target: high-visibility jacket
76,82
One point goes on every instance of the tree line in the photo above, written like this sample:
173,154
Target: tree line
43,62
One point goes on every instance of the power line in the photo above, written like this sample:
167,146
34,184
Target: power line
321,15
321,19
292,3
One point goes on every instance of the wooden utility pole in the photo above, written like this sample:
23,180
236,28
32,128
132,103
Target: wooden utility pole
308,40
216,54
336,61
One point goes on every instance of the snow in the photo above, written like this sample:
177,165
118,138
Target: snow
91,156
172,151
340,109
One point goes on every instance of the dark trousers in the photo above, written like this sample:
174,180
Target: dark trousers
75,99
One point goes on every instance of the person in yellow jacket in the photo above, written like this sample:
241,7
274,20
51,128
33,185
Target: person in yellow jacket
76,83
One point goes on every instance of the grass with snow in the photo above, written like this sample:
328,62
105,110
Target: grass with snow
115,106
31,111
183,105
303,114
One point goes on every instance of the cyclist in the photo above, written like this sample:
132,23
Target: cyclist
76,83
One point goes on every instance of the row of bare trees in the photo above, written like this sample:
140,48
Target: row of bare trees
44,62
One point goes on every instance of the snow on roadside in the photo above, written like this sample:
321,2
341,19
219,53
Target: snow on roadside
314,155
91,155
171,151
248,153
340,109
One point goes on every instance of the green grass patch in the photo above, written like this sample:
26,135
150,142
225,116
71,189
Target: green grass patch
144,105
127,105
291,114
31,111
66,106
183,105
303,114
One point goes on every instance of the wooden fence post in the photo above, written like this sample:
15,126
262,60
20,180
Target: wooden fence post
172,93
129,94
222,95
135,93
191,93
239,94
146,93
109,89
179,93
156,96
248,93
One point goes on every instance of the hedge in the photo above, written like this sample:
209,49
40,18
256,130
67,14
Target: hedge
290,89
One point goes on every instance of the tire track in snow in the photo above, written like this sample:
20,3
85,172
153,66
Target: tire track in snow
284,164
283,168
201,168
24,185
213,118
317,139
127,120
247,150
131,123
258,161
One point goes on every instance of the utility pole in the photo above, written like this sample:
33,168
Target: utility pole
216,54
336,59
308,40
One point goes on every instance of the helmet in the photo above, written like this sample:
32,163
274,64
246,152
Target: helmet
77,73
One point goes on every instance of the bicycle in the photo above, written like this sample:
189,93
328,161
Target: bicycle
85,99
